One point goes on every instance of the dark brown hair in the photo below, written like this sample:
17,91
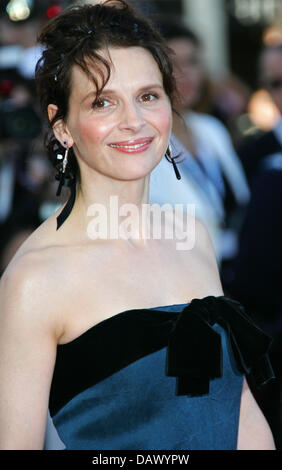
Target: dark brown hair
75,37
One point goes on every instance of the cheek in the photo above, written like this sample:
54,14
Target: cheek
164,121
92,132
87,130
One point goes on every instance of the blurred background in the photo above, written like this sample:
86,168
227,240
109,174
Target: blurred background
228,64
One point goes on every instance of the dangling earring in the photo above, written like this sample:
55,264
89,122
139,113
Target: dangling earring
61,175
171,160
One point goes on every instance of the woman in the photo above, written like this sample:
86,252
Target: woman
86,322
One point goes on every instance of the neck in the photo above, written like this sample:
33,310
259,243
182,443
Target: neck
111,209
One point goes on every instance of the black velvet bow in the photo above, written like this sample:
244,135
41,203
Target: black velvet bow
194,353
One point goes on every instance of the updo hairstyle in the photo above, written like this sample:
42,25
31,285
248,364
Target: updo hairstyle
76,37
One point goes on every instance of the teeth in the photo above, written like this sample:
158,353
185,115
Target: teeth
129,146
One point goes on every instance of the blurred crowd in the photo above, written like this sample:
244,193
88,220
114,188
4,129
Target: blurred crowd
27,186
230,140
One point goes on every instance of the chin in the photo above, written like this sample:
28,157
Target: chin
137,168
136,173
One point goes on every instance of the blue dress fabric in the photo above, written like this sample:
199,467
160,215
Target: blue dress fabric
110,390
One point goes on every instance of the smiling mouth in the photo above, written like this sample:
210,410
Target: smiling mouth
137,146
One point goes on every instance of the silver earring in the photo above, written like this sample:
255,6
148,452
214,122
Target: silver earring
171,160
65,161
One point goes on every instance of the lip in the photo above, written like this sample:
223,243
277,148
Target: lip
141,140
132,145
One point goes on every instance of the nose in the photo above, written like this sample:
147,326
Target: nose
131,118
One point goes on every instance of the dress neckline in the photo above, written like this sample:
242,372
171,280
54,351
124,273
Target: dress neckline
104,322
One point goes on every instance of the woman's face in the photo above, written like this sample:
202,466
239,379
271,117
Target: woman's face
188,70
125,133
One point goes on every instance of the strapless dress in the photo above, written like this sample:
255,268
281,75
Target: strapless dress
163,378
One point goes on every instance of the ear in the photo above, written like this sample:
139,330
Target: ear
60,129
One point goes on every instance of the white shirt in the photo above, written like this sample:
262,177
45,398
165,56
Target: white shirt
212,133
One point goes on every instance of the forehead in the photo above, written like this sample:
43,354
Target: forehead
129,68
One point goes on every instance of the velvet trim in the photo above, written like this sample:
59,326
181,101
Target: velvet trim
194,353
194,348
106,348
69,205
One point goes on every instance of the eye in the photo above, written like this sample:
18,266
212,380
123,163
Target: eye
100,103
149,97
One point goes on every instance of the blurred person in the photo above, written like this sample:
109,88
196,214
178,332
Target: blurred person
256,276
194,188
210,163
24,170
15,189
229,102
106,86
252,150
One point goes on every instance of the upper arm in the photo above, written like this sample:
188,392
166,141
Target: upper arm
27,357
254,432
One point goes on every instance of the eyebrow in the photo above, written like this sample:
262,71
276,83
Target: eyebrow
109,91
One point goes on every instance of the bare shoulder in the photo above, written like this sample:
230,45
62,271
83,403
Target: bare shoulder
29,329
203,242
28,286
196,232
254,431
197,251
26,293
32,261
